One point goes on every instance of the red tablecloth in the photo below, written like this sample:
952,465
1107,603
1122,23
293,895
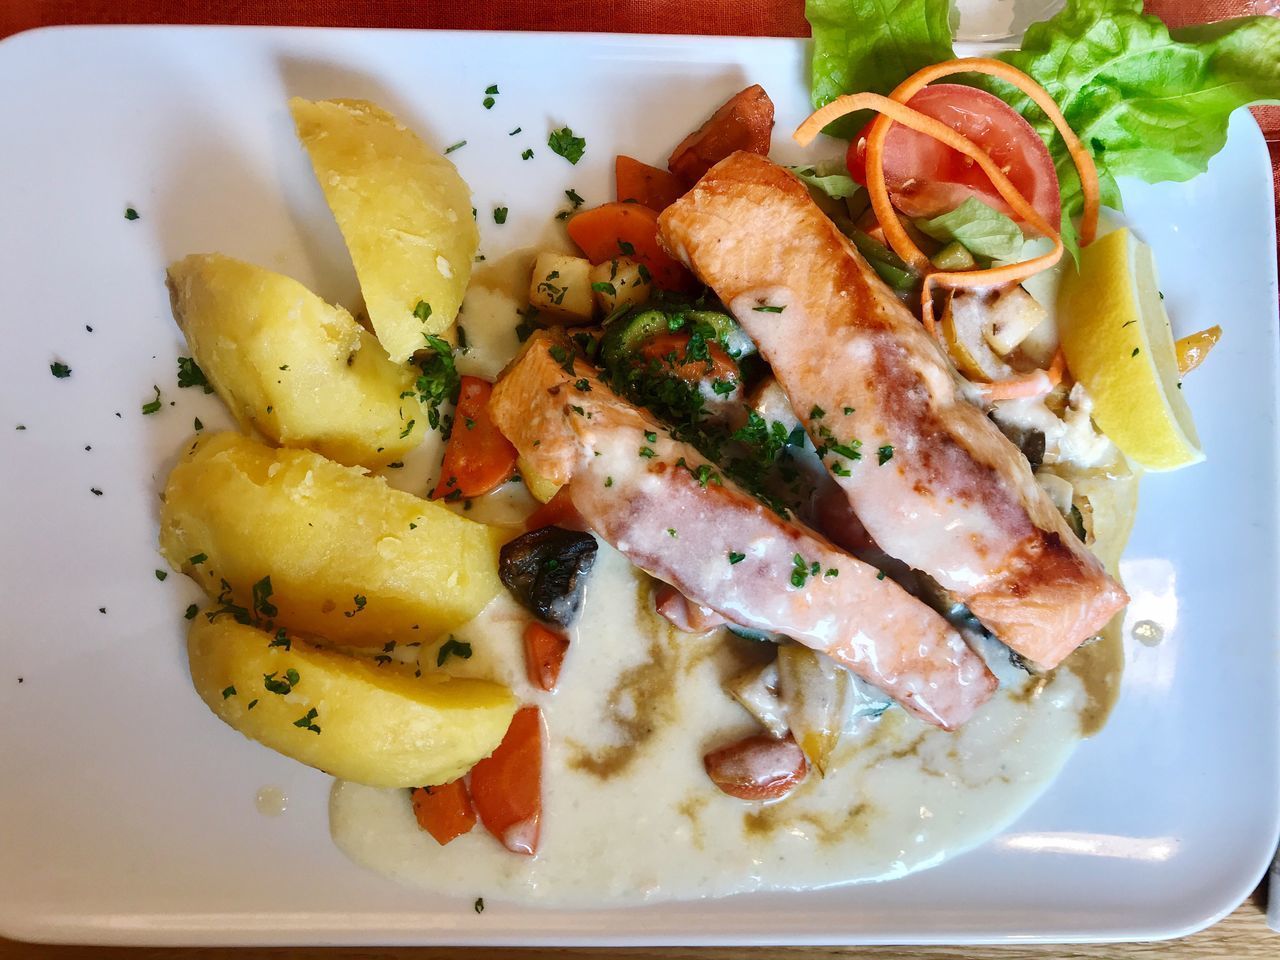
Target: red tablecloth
780,18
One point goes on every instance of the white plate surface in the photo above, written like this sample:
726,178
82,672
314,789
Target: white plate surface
127,810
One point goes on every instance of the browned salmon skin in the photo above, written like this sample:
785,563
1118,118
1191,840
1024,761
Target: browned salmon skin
667,509
934,482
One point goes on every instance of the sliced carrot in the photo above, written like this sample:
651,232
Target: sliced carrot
757,768
559,511
717,366
478,457
1034,384
445,811
744,122
506,786
630,230
544,651
654,187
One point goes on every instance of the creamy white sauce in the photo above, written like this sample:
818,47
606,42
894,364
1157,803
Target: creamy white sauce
899,795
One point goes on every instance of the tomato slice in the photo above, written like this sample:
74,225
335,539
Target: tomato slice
926,178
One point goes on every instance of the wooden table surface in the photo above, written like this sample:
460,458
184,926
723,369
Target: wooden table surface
1241,936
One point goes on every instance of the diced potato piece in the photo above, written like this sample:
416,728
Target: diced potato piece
302,372
350,717
403,210
1011,318
965,321
620,282
539,486
350,558
561,288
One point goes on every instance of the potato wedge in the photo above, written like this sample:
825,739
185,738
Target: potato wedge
355,719
540,487
403,210
302,372
349,558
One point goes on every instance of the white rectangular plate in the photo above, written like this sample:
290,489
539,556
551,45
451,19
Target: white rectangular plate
127,811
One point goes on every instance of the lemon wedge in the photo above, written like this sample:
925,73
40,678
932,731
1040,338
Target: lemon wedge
1118,343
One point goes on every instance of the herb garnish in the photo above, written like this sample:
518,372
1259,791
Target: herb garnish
453,647
228,692
565,144
360,601
885,454
152,406
59,369
499,215
190,374
455,146
282,687
735,557
307,721
130,213
438,383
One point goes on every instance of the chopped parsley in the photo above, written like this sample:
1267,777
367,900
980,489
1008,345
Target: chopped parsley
499,215
765,308
479,905
422,311
262,605
650,436
554,294
628,249
671,532
513,132
840,470
408,429
817,413
281,686
455,146
1135,352
492,89
735,557
307,721
603,286
608,481
360,601
884,454
97,492
192,610
197,424
438,383
574,198
196,559
582,384
802,571
252,704
453,647
565,144
527,155
488,103
161,575
722,388
130,213
562,356
190,374
281,639
848,411
647,453
152,406
59,369
228,692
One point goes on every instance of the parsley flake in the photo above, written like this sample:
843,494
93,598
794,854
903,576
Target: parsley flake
228,692
884,454
453,647
455,146
499,215
190,374
130,213
563,143
765,308
422,311
59,369
735,557
307,721
152,406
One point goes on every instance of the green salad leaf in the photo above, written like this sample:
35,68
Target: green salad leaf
830,178
872,45
979,228
1149,102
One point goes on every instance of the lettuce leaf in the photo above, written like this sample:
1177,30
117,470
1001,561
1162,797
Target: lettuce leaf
872,45
982,230
832,178
1149,102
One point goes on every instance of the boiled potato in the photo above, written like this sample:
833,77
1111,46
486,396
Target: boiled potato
620,282
404,212
305,374
539,486
350,717
561,287
349,558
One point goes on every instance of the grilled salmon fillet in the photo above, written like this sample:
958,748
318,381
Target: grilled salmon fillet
934,482
667,509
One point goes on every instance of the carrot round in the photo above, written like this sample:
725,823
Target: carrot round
654,187
717,366
506,786
544,651
445,811
630,230
478,457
